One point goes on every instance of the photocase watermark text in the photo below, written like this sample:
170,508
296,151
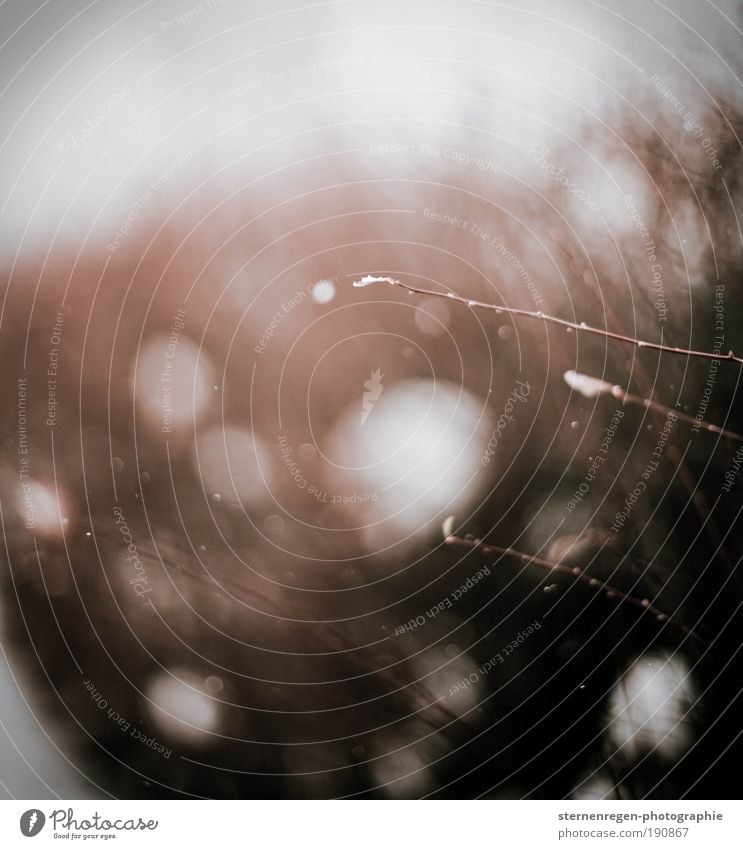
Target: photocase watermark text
519,394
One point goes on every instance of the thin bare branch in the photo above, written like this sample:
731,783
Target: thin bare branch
368,280
574,572
592,387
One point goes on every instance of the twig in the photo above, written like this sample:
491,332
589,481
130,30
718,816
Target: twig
368,280
592,387
574,572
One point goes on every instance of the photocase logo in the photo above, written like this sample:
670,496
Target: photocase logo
374,389
32,822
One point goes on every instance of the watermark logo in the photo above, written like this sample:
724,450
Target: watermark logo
373,392
32,822
520,393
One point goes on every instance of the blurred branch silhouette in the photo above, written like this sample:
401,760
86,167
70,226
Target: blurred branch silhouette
574,572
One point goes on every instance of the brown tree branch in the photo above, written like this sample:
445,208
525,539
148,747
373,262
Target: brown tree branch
592,387
368,280
574,572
